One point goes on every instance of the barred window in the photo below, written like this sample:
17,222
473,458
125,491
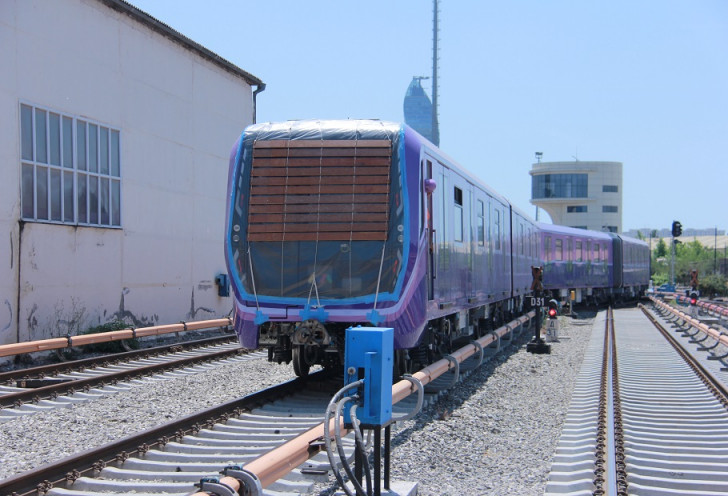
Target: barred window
70,169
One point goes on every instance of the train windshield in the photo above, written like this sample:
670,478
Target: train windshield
322,219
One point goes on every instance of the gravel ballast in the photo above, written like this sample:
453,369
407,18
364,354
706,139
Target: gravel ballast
495,433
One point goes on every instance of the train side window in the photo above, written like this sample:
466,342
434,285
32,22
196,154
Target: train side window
522,241
596,253
547,248
497,225
480,210
579,256
458,217
569,250
558,249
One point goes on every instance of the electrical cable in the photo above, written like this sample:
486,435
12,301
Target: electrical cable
359,443
340,445
330,409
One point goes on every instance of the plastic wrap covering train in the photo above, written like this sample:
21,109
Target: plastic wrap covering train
337,223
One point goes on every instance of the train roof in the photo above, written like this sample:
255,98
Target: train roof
573,231
630,240
317,129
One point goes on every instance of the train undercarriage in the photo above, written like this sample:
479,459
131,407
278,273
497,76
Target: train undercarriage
311,343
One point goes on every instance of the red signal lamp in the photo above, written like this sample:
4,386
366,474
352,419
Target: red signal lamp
553,310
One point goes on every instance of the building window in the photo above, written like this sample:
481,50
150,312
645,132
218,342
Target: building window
559,186
610,209
458,221
576,209
70,169
609,188
609,228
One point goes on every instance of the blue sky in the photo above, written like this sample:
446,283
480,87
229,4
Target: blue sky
639,82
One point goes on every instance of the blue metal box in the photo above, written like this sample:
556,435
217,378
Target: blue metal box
369,354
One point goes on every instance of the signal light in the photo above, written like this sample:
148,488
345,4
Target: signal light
676,229
693,299
553,310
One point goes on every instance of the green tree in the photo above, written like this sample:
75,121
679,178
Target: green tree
661,249
714,284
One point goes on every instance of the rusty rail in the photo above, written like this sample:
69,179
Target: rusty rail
105,337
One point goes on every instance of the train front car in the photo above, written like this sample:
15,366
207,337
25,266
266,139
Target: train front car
318,237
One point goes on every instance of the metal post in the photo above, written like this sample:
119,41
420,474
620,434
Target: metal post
672,263
378,460
387,450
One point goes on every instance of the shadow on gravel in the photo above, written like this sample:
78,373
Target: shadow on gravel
465,389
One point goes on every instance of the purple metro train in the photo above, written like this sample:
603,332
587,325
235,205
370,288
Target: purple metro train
337,223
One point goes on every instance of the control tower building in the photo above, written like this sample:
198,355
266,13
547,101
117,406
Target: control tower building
586,195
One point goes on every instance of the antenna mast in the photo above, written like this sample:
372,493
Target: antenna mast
435,35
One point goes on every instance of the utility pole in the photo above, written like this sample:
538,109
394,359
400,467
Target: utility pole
435,35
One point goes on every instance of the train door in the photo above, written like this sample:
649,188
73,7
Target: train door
429,226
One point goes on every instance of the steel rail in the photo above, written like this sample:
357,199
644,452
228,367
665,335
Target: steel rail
44,478
714,385
53,390
105,360
610,475
717,335
105,337
707,305
280,461
269,467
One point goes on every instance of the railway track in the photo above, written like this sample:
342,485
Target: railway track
170,459
646,418
38,389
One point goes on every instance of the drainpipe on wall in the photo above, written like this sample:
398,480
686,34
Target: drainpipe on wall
259,89
21,224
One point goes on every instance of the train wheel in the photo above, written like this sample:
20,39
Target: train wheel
301,365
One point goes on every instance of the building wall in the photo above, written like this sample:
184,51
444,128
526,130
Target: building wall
178,115
603,208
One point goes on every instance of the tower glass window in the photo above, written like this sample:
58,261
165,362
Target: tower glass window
573,209
560,186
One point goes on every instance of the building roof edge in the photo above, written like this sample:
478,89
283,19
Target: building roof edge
174,35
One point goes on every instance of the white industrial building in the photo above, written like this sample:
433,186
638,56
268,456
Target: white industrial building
116,135
586,195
